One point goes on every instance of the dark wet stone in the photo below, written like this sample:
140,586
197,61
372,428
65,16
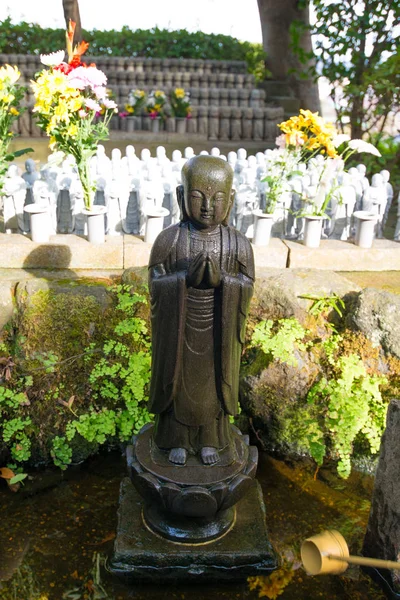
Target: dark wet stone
244,551
382,539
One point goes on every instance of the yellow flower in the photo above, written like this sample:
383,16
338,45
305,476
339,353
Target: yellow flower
52,142
180,93
14,111
157,107
129,108
6,98
72,130
9,73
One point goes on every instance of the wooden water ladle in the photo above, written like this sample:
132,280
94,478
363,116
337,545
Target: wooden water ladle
328,553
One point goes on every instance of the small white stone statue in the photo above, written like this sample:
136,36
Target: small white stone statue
389,194
151,194
161,157
79,222
246,200
347,202
100,164
116,195
66,175
45,193
356,183
375,200
30,176
14,193
215,152
362,169
189,152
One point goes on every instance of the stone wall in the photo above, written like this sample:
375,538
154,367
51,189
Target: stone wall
226,103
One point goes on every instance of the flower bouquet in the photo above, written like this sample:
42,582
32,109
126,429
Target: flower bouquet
310,138
136,101
180,103
11,95
155,104
73,107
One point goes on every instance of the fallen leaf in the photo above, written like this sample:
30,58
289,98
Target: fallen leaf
6,473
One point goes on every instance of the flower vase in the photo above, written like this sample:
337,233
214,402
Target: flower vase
312,230
155,124
95,215
39,222
180,125
154,224
262,227
133,124
365,228
95,224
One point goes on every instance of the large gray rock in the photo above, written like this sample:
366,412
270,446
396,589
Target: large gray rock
28,288
377,315
382,539
279,292
271,394
6,302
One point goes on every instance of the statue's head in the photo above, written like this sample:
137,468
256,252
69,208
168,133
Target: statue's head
30,165
206,194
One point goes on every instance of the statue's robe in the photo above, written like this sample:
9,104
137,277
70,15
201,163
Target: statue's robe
195,364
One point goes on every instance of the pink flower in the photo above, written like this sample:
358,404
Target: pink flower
281,141
82,77
82,113
92,104
100,92
123,115
109,103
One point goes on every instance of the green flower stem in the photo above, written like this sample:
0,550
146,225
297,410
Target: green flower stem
87,185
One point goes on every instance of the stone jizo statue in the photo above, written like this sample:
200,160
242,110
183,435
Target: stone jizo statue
201,275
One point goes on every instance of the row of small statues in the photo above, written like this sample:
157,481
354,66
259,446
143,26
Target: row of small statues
133,187
139,64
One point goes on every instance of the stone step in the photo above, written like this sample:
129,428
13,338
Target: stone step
275,88
121,252
291,106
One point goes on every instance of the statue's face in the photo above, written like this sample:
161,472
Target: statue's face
208,198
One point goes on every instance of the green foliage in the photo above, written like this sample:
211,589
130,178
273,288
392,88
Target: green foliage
30,38
349,404
61,452
84,385
279,343
357,44
321,305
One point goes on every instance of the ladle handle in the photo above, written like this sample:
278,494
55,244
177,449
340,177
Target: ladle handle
366,562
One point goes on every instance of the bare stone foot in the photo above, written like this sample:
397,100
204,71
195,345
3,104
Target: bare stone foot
209,455
178,456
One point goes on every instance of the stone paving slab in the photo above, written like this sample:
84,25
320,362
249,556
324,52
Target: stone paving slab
275,255
136,252
335,255
118,253
62,252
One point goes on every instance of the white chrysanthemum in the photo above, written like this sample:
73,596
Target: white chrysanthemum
9,73
92,104
361,146
340,139
53,59
109,103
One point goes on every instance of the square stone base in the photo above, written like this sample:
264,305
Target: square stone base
142,556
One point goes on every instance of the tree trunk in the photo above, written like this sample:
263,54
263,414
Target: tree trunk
277,17
71,11
356,118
